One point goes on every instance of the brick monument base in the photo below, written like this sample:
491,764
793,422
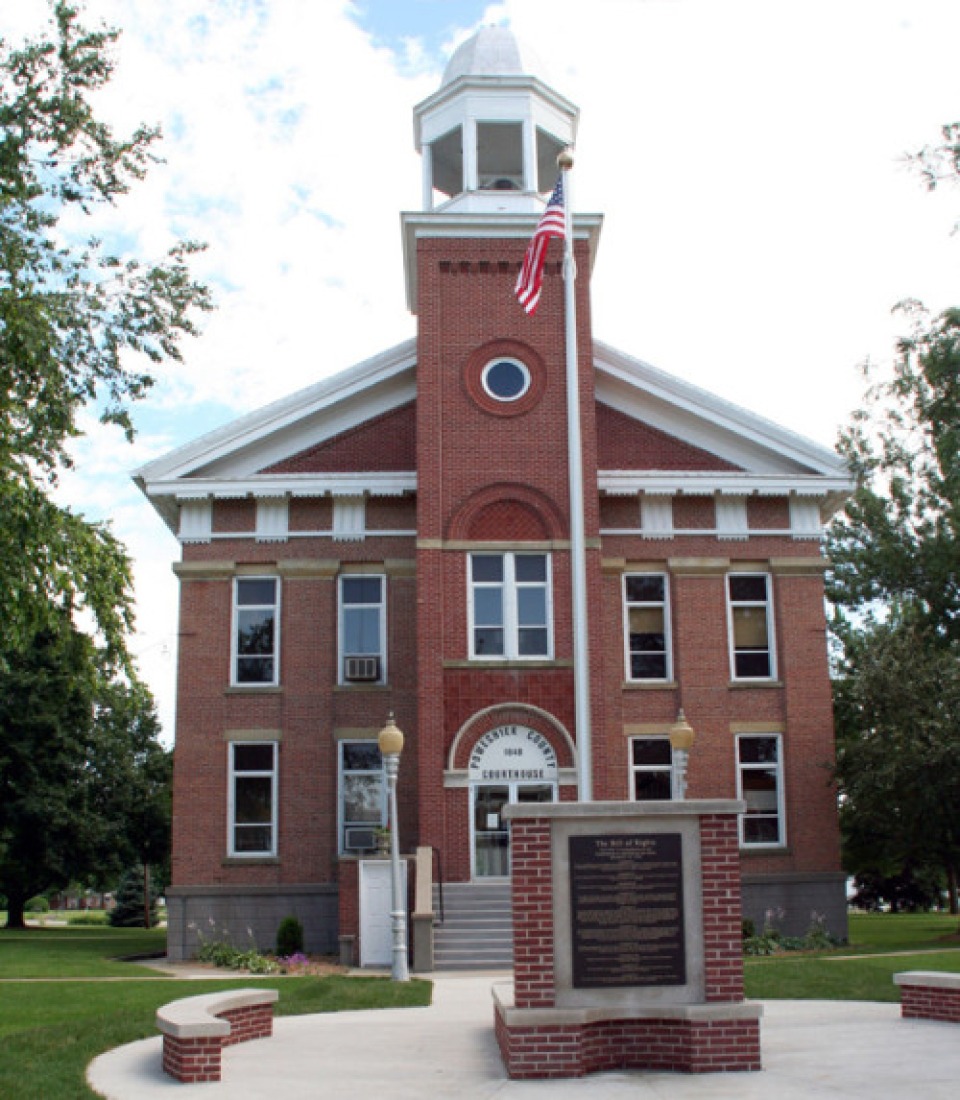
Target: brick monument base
627,941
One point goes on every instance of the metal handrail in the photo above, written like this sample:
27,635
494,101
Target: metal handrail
436,852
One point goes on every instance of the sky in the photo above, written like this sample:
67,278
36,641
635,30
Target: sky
749,158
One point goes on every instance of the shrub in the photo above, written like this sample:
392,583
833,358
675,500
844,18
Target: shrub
39,904
289,937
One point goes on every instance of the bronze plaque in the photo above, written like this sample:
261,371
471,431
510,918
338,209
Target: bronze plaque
626,895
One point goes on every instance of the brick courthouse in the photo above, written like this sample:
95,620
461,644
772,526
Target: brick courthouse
397,538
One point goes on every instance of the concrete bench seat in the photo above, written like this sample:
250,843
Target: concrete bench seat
196,1029
929,995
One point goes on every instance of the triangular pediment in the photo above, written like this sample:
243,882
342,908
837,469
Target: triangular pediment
384,442
355,433
624,443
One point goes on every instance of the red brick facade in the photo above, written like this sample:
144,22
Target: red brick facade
402,472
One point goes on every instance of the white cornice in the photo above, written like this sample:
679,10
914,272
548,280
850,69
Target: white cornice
282,415
283,485
708,482
479,226
166,495
638,389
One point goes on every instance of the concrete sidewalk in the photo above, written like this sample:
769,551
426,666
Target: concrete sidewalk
811,1049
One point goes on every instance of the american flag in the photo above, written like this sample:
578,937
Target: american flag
551,224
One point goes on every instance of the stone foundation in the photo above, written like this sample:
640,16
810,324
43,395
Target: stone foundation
249,917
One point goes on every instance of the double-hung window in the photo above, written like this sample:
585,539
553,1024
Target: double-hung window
647,621
510,605
363,807
362,629
252,798
760,785
750,608
256,630
651,768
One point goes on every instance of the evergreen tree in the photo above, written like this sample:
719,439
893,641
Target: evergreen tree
132,910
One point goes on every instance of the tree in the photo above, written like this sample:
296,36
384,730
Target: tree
79,325
84,782
129,779
136,904
898,541
894,582
45,700
898,762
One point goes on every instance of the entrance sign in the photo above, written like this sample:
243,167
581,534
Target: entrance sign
510,754
626,896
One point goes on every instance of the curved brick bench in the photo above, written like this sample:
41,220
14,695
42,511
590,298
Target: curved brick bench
929,995
196,1029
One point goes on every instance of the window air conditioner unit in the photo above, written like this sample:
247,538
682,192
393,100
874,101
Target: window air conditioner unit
361,669
359,838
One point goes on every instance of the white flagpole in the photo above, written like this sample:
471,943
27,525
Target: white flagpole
578,555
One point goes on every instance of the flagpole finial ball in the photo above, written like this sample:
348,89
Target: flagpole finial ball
565,160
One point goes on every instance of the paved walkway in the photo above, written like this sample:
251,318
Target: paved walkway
811,1049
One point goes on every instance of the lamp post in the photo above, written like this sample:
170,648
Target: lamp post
390,741
681,742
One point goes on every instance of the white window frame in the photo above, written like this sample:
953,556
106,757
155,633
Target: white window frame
667,634
742,767
235,655
233,776
666,769
510,587
342,824
767,606
342,606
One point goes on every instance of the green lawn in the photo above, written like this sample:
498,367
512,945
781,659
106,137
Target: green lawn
862,970
51,1029
77,952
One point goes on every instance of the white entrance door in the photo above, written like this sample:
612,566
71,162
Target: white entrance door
376,903
491,834
507,764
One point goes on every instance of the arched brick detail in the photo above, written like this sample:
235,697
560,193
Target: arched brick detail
508,520
514,513
510,714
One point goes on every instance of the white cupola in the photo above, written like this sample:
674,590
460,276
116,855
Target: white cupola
490,135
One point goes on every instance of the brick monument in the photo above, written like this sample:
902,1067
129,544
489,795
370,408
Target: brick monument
627,941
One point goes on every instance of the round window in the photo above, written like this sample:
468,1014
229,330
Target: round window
506,379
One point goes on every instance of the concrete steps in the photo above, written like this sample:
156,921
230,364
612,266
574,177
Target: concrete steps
477,929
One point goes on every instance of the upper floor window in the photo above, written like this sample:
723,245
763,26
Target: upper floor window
751,626
760,785
510,605
363,808
651,768
252,797
362,629
647,620
256,634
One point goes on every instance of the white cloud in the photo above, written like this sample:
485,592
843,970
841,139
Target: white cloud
759,227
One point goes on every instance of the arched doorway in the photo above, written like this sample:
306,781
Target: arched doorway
509,763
